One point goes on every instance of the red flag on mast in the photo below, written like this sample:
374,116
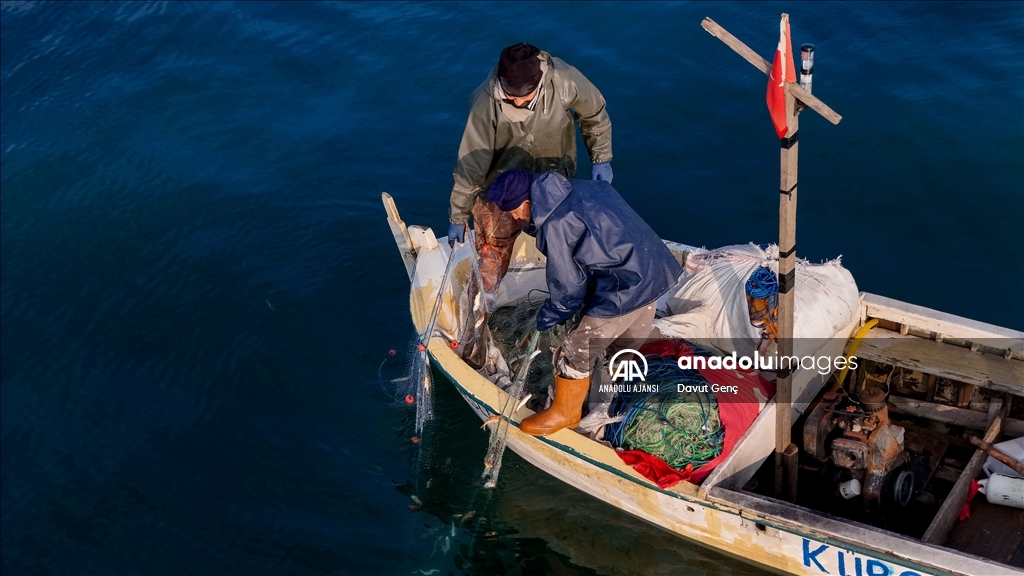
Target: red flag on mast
783,71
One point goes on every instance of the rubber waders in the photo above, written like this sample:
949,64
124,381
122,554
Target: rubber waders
564,411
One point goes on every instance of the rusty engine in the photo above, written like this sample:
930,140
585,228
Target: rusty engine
855,435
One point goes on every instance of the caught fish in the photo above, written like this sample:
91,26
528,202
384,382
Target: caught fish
522,402
492,419
416,500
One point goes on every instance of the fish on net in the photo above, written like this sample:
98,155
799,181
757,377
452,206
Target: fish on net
511,327
494,236
484,338
511,333
500,422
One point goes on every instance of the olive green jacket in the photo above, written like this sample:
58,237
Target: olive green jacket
499,136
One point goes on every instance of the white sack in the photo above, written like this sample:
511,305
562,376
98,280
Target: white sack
709,303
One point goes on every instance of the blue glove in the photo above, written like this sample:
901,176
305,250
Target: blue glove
545,327
602,171
457,233
549,316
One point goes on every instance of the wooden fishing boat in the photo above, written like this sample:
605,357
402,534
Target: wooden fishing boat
985,362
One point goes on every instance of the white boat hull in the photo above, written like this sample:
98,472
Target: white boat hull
719,515
776,543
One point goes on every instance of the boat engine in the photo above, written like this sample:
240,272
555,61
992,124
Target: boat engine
868,448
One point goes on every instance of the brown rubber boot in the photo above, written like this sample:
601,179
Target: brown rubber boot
564,411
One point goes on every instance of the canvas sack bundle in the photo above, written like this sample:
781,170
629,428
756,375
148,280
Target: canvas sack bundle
709,305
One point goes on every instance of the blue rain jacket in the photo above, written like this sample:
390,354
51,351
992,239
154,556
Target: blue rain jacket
601,255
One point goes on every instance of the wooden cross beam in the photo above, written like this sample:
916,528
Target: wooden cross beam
765,66
786,453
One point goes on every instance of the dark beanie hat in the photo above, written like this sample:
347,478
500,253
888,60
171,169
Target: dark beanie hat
510,189
519,69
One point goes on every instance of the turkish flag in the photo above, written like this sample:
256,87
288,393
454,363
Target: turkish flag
783,71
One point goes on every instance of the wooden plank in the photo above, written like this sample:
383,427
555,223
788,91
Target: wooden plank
737,45
809,100
964,398
994,532
931,387
400,232
943,521
951,415
790,463
948,473
812,102
934,321
998,455
947,361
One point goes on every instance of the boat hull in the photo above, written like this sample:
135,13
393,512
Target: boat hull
719,515
753,538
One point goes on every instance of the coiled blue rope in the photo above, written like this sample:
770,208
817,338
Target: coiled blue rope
763,285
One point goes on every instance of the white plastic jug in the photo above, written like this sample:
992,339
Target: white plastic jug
1003,490
1012,448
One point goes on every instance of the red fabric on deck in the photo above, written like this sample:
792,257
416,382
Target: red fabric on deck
654,468
965,510
736,412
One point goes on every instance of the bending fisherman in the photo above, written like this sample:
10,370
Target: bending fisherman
603,260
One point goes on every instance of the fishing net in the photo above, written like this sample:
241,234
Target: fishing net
420,375
511,328
499,428
422,389
494,237
680,428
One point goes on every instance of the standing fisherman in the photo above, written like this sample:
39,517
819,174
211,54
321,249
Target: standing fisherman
523,116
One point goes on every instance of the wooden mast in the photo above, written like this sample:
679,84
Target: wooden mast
786,453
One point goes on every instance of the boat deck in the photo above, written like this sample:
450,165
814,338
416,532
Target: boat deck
993,532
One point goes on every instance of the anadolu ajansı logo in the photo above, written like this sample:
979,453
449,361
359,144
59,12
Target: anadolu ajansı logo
624,369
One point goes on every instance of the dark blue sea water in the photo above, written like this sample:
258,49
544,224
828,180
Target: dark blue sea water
199,286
